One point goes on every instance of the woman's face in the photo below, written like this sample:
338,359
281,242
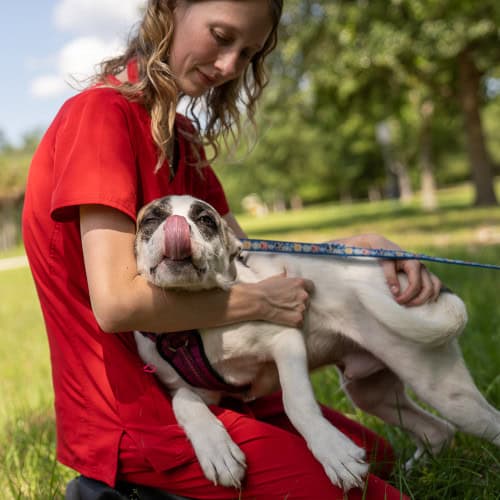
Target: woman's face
215,40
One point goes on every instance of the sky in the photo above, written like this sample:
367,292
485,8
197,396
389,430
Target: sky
46,44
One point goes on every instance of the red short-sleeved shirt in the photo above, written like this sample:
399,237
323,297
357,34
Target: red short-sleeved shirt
99,150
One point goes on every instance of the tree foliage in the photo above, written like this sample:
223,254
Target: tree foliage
425,72
15,161
345,67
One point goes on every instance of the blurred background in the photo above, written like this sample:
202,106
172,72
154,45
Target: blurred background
368,99
380,116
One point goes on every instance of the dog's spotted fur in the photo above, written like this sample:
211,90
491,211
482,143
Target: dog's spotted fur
149,224
353,322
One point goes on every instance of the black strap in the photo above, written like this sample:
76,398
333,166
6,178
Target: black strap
85,488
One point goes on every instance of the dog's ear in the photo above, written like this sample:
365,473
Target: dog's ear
139,217
233,248
233,245
140,214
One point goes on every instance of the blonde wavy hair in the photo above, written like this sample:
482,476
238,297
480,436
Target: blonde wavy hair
157,91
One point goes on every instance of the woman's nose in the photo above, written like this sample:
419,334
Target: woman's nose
229,64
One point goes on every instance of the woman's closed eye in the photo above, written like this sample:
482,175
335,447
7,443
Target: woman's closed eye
221,38
225,40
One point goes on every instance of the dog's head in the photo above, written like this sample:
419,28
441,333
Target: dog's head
182,242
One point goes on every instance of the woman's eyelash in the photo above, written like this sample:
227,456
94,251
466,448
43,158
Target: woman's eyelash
219,37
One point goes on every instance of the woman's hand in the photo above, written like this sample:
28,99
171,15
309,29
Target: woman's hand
423,286
278,299
283,300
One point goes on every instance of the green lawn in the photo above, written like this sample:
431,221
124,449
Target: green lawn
470,469
27,432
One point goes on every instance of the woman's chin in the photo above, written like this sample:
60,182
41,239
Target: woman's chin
192,87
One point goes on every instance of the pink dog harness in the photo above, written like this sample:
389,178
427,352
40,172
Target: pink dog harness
185,353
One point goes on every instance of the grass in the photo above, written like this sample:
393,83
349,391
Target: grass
455,223
12,252
27,433
469,470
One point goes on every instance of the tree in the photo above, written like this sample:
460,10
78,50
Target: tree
15,161
31,140
343,68
471,96
441,48
370,57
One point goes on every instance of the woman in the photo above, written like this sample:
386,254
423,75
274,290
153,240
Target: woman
111,149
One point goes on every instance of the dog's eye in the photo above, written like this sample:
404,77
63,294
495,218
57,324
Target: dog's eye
207,220
149,223
149,220
153,217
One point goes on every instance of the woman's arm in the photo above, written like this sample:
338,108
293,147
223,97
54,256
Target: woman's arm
122,300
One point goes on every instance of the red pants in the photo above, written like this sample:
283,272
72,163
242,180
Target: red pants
279,464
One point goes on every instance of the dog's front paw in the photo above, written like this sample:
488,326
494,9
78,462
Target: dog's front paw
220,458
343,461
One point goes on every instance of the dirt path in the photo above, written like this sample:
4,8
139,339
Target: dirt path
13,263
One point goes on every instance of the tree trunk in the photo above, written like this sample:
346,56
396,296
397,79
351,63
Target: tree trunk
279,204
479,158
10,220
296,202
384,138
428,183
404,181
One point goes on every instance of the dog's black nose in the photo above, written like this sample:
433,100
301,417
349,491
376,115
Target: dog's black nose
177,240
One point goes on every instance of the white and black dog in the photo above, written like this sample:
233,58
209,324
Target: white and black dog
353,322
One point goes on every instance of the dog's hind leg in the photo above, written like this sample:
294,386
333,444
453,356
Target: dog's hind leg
383,394
440,378
342,460
220,458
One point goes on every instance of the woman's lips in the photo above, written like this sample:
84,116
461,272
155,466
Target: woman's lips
207,80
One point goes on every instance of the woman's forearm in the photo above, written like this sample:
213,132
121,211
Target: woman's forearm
142,306
122,300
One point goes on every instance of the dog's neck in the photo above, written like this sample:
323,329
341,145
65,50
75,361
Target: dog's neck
246,271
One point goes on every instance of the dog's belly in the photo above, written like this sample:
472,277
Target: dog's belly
334,349
242,354
327,348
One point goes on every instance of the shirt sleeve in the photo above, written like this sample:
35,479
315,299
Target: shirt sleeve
93,155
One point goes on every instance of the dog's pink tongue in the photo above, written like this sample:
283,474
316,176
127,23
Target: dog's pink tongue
177,242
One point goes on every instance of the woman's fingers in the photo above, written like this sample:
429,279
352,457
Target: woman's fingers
426,289
391,276
286,299
437,285
422,287
413,271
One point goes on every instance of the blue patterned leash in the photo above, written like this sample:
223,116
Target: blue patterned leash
341,250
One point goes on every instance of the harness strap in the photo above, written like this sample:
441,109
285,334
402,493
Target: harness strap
185,353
